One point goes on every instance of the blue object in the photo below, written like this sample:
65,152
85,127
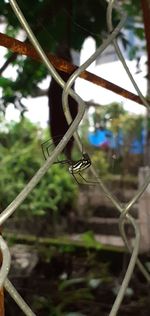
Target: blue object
104,138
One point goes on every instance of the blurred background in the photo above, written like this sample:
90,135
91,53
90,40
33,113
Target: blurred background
64,238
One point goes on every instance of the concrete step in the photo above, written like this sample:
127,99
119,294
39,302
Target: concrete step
103,239
111,212
102,226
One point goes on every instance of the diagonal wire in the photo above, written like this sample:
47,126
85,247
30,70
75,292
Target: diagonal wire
40,173
6,260
68,85
118,51
122,219
18,299
147,180
129,270
73,130
20,198
78,71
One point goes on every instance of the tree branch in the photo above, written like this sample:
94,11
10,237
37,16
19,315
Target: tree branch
38,92
7,62
19,47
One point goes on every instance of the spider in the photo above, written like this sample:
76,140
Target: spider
75,167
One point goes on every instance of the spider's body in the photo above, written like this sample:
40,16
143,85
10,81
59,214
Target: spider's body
75,167
80,165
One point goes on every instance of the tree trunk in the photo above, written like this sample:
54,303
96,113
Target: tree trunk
57,121
1,293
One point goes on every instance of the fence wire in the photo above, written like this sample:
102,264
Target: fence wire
123,210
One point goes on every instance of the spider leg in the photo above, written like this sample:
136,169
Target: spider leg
43,145
45,150
63,161
75,178
46,146
87,182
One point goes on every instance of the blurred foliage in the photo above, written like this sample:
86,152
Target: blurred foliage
114,117
21,157
58,23
89,240
134,24
100,161
126,128
55,23
75,283
109,116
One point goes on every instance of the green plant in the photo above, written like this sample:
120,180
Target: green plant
99,160
20,158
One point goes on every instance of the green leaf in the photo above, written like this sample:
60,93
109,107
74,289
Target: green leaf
89,240
4,82
21,157
139,31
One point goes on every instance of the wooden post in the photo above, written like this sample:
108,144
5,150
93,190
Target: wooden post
1,295
1,302
144,212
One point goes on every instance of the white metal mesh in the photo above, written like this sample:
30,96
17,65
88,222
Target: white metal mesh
123,210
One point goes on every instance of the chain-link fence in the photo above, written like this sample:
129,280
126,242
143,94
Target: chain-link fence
123,210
